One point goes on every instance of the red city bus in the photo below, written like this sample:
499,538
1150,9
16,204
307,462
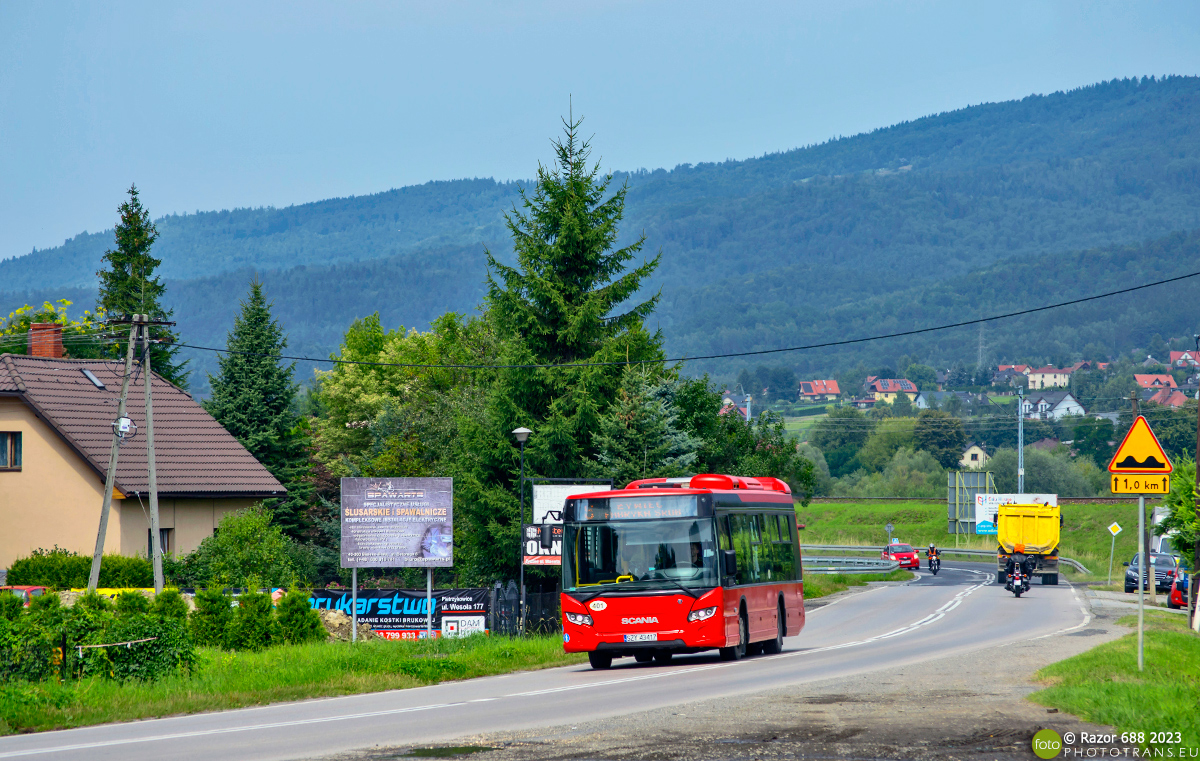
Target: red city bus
681,565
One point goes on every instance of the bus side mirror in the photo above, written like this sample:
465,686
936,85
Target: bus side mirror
546,535
799,526
1125,564
730,557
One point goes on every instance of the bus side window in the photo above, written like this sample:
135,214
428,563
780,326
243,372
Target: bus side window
770,535
784,554
742,532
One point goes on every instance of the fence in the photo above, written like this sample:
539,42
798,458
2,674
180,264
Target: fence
542,611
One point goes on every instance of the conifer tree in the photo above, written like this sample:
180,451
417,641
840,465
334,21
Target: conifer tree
639,436
129,286
564,301
252,398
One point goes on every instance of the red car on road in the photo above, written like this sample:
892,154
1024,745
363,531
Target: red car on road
903,554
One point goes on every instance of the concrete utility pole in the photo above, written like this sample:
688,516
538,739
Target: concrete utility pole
110,478
1143,557
155,537
1020,441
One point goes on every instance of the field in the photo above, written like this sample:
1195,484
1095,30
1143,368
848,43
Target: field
1104,686
292,672
800,426
1085,534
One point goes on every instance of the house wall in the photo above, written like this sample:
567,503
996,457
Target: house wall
192,520
54,499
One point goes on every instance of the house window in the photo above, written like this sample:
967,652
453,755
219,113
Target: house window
164,540
10,450
974,457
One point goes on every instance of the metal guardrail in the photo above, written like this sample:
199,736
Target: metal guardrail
946,551
848,565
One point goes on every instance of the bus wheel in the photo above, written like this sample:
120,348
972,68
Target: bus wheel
643,657
599,660
663,657
775,646
738,651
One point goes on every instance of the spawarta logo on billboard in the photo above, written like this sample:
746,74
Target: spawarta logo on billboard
397,522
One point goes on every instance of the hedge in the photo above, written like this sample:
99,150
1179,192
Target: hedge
63,569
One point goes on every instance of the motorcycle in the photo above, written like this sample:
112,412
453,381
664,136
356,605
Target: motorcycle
935,564
1018,581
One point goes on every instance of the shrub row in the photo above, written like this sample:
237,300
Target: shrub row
47,638
63,569
254,623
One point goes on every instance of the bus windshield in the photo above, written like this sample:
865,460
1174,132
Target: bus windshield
646,554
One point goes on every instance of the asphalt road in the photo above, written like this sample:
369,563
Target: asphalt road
959,611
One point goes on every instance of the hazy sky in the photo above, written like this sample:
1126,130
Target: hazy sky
216,105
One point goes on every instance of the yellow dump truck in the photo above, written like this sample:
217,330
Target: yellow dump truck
1032,530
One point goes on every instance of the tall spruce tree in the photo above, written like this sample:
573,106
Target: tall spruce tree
564,301
252,398
129,286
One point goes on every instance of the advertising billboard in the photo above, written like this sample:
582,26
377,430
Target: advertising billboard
988,505
397,522
401,613
548,500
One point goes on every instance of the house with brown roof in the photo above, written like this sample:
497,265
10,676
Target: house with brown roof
56,418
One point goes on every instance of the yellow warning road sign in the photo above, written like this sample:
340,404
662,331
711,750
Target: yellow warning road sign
1140,452
1136,483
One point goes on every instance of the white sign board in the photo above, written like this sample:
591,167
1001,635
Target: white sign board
462,626
988,505
548,499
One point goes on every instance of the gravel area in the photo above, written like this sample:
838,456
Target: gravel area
963,707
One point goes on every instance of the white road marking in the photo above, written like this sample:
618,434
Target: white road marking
222,731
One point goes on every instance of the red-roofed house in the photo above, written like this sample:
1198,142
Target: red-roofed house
1169,397
56,418
1185,359
1050,377
819,390
1155,381
1023,369
886,389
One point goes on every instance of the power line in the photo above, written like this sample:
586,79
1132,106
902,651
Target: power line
760,352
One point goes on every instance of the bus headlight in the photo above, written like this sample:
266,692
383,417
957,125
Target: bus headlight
579,619
702,614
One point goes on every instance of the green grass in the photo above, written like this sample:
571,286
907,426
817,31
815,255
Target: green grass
820,584
800,426
1104,686
1085,534
232,680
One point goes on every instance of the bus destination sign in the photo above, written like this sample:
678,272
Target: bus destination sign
649,507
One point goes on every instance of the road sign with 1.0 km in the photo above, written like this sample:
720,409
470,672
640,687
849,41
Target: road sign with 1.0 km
1115,528
1140,484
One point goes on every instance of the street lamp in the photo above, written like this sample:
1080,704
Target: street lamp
522,435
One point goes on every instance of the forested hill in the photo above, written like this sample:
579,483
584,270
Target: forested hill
755,252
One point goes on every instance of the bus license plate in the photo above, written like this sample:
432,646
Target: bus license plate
641,637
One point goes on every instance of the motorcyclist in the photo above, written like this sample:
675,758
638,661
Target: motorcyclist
1018,558
932,552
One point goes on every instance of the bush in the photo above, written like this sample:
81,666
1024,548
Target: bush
248,549
170,649
63,569
170,604
212,619
25,650
11,606
254,625
908,474
298,621
1048,473
130,602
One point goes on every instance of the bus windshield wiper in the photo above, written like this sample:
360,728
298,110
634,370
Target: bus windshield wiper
681,586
